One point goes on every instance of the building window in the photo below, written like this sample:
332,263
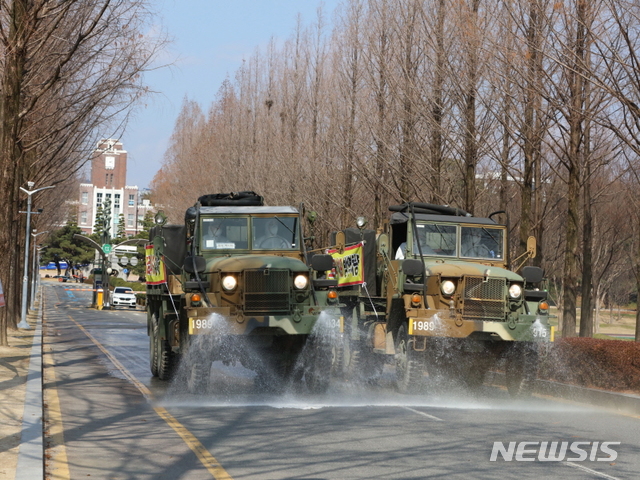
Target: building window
116,199
130,220
85,198
83,218
108,195
99,199
132,199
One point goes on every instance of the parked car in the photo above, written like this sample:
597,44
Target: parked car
123,296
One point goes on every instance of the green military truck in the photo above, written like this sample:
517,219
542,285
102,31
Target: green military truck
434,294
232,284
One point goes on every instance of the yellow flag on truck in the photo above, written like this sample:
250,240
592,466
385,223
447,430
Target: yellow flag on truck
349,266
155,267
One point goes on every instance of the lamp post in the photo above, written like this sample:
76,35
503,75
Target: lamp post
25,278
36,263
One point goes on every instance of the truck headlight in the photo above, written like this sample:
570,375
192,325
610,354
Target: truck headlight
448,287
515,291
229,283
301,282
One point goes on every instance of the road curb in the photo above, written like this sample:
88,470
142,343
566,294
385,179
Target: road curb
625,403
31,452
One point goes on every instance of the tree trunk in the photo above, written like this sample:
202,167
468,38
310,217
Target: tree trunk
437,111
586,315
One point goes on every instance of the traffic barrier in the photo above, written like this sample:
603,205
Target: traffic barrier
99,299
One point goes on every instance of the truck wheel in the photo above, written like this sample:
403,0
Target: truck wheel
165,357
521,370
364,365
198,377
318,365
153,346
474,377
410,366
338,356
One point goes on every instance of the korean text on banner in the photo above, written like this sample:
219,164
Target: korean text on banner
349,265
2,304
155,267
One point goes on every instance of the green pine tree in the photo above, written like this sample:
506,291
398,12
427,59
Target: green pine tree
63,247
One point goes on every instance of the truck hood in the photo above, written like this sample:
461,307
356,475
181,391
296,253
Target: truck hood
253,262
459,268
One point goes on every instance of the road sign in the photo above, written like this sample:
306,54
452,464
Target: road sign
133,261
106,248
123,260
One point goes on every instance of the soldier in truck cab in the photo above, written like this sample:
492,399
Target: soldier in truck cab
214,235
401,253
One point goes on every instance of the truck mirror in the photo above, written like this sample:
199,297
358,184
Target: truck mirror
322,262
412,267
531,247
195,264
532,274
383,244
340,241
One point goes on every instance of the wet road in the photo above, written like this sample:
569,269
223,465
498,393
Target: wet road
108,418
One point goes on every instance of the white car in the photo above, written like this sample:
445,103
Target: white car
123,296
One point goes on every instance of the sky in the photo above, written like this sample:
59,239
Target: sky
210,38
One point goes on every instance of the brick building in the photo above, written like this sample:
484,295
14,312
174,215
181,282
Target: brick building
108,181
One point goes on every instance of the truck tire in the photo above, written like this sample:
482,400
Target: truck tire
521,370
165,357
364,365
410,367
198,377
338,356
318,365
153,346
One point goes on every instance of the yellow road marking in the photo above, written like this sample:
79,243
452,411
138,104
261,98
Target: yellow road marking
208,460
56,462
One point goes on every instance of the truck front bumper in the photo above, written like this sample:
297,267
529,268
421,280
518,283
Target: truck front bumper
212,321
439,323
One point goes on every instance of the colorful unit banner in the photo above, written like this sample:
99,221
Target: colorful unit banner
2,304
349,266
155,267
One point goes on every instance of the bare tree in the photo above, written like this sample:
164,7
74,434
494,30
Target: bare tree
69,70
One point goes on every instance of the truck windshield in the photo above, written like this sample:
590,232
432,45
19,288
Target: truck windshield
435,239
275,233
225,233
482,242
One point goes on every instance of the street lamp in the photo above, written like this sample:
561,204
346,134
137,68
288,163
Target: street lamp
25,278
36,263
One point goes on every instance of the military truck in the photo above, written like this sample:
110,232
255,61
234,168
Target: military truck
431,292
232,284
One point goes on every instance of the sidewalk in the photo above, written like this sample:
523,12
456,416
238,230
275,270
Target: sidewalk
21,438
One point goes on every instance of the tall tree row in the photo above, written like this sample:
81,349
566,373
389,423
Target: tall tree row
524,106
69,73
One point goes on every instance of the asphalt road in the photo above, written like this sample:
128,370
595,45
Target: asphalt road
107,418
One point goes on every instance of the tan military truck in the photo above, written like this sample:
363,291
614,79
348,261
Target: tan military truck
232,284
435,295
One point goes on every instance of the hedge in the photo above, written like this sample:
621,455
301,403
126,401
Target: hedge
595,363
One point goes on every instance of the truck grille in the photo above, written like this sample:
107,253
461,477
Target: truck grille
267,291
484,299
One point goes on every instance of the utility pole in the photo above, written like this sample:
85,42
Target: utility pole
25,278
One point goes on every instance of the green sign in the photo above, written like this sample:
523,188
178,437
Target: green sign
106,248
